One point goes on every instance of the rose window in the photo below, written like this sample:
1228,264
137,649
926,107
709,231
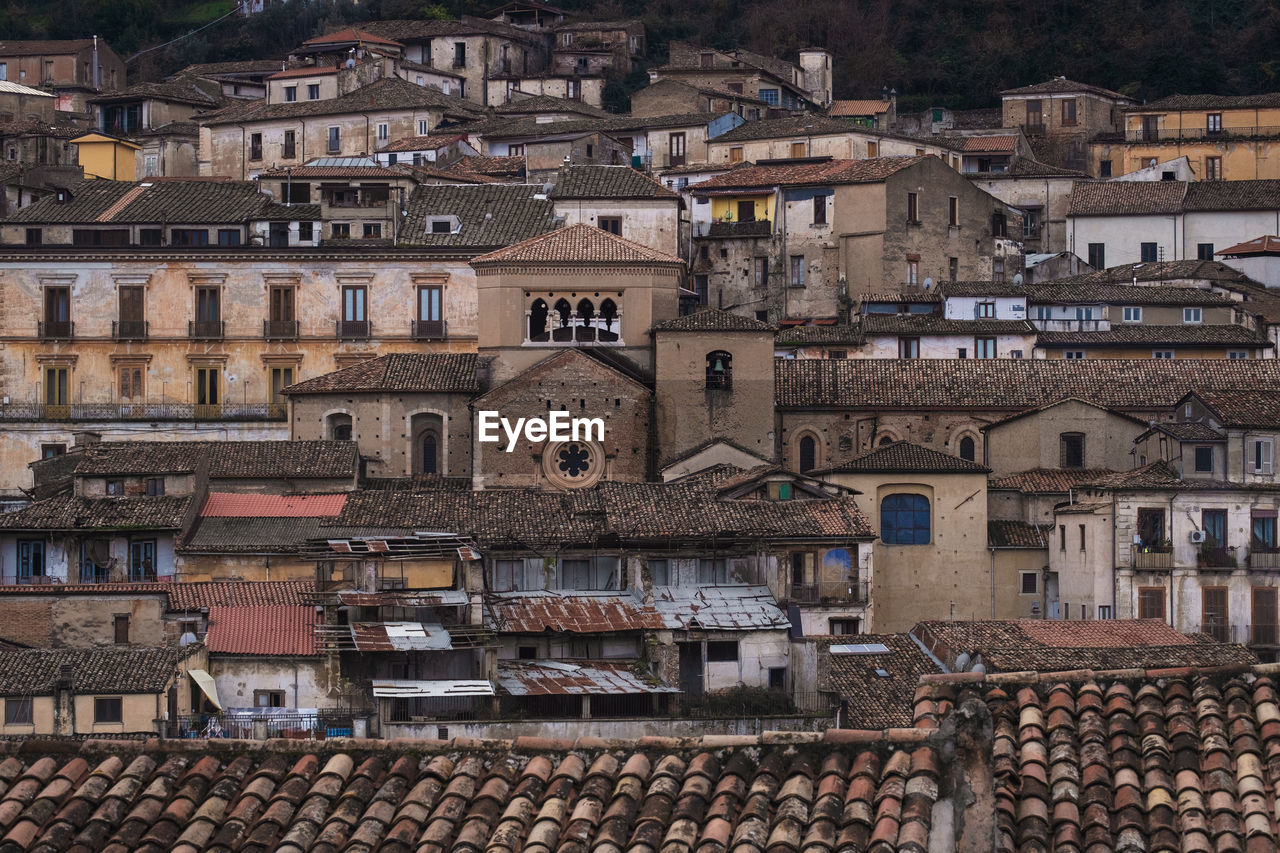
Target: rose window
573,460
573,464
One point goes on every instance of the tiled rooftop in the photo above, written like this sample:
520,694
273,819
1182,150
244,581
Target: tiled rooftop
871,383
712,320
196,202
1206,335
537,104
33,672
68,512
864,107
1255,408
235,505
383,95
806,173
1061,85
1266,245
776,792
278,630
1154,198
1051,480
620,182
534,613
578,244
870,699
1004,533
1209,102
1070,291
488,216
421,372
226,459
905,457
991,144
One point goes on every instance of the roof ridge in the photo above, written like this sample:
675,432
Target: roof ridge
1074,676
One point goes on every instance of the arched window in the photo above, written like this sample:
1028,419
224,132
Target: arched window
338,426
608,321
904,520
885,439
967,448
808,453
430,454
538,313
562,331
586,313
719,370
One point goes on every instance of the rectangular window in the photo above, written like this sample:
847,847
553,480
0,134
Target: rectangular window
1264,620
1204,251
761,271
372,230
280,312
713,572
797,149
288,149
208,391
1071,450
1069,112
953,212
115,488
57,312
228,236
820,210
460,54
1150,253
255,146
573,90
34,236
1104,171
335,140
306,231
383,132
1035,114
1031,222
313,92
735,154
797,270
268,698
1214,524
142,560
1098,256
189,237
17,712
281,378
1262,524
1030,583
660,572
121,628
1213,122
132,384
1213,168
1162,353
155,487
986,310
290,93
701,286
208,323
1260,455
873,149
913,207
591,573
999,225
612,224
908,347
1192,315
108,709
55,389
48,451
1204,460
354,319
984,348
844,627
913,272
1213,615
1151,602
722,651
1132,314
30,559
340,230
953,268
769,96
1082,537
676,149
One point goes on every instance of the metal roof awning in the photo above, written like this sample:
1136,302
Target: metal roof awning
425,598
204,681
562,678
719,608
441,689
400,637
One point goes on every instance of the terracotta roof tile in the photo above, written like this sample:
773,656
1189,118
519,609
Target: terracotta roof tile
1122,198
32,672
991,144
712,320
578,244
865,107
936,324
1256,408
273,630
621,182
534,614
872,700
806,173
1152,335
1015,534
1062,85
422,372
1208,102
1266,245
1050,480
232,505
488,215
905,457
226,459
67,512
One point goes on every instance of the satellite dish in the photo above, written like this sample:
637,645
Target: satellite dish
928,283
1017,280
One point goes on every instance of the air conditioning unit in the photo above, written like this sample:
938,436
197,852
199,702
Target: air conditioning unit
1198,536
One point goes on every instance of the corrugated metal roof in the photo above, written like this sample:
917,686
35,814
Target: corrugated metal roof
438,598
400,637
578,678
228,505
572,613
454,687
11,88
719,608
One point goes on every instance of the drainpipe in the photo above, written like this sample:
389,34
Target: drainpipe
1172,569
993,582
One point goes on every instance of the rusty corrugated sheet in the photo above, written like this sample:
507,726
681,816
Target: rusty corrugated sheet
400,637
577,614
436,598
578,678
719,608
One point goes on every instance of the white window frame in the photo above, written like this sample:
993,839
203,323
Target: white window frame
1192,315
1238,353
1162,353
1133,314
1260,459
384,131
1074,353
423,126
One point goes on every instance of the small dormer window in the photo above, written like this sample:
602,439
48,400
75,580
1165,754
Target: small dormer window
115,488
443,225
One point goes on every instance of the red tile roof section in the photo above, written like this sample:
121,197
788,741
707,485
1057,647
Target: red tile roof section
994,144
808,173
227,505
351,34
277,630
578,244
1266,245
865,107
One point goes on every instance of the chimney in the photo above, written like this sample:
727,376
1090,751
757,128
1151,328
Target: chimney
64,702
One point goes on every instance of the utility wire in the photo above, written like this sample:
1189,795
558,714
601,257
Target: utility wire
234,11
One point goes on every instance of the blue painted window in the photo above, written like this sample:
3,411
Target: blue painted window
904,520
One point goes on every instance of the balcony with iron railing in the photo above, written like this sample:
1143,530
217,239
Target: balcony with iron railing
1200,133
1264,557
129,330
426,330
722,228
208,330
1070,325
850,592
280,330
53,330
32,411
354,329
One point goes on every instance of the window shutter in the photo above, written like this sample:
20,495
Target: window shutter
1265,449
